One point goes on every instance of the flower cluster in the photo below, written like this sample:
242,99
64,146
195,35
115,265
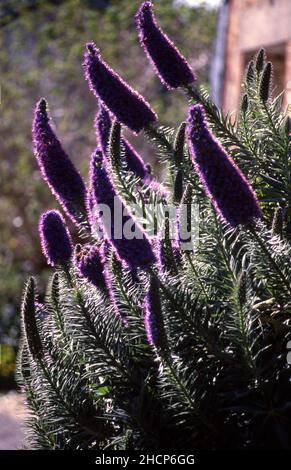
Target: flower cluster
127,105
56,167
231,194
55,238
171,66
89,261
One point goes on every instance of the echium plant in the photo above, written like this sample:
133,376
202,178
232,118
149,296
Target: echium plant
141,343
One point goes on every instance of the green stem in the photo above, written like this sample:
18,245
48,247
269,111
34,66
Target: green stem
174,301
59,395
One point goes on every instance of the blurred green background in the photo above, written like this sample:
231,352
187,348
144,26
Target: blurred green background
42,46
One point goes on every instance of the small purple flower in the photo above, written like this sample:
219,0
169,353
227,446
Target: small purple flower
55,238
129,107
136,251
89,261
133,161
170,65
231,193
153,317
57,169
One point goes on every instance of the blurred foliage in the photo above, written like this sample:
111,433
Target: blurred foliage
7,366
42,46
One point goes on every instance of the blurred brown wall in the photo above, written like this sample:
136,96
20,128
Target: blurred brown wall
253,24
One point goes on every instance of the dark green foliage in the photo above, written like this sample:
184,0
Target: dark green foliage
222,380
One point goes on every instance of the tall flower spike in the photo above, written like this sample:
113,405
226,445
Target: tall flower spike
135,252
170,65
129,107
153,317
103,125
89,261
55,238
57,169
232,195
133,161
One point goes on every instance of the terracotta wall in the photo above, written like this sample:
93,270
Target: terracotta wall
287,77
254,24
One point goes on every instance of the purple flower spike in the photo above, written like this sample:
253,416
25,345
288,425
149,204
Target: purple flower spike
55,238
153,317
103,125
89,261
133,161
170,65
136,251
129,107
57,169
126,104
231,194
